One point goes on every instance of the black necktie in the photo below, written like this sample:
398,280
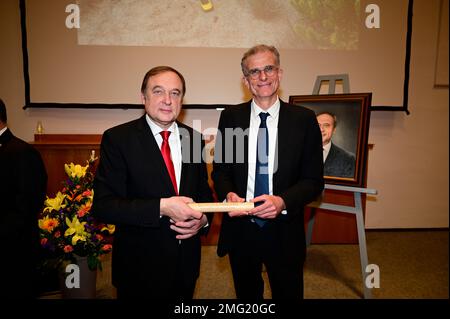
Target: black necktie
262,163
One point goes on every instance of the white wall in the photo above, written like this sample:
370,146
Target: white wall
409,164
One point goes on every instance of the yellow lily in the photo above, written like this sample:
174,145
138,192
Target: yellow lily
110,228
55,203
73,170
77,229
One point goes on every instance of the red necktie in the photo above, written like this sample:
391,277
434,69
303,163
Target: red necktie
165,150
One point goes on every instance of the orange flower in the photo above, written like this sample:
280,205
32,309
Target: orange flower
107,247
68,249
84,209
48,224
87,193
70,196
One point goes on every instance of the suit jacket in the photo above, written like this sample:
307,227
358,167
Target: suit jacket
130,181
298,178
339,163
23,183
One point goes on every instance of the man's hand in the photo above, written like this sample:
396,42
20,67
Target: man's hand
234,198
177,209
189,228
271,207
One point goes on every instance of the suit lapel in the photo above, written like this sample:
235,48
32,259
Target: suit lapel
151,152
184,136
243,121
5,137
282,144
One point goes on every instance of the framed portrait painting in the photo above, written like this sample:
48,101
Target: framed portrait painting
344,124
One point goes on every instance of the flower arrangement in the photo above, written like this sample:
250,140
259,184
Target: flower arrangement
66,226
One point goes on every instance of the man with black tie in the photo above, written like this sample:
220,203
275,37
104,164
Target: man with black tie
149,170
23,183
278,165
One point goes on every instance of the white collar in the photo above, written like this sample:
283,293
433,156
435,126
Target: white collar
156,129
273,110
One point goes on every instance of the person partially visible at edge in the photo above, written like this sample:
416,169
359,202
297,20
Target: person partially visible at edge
23,184
337,161
272,233
144,182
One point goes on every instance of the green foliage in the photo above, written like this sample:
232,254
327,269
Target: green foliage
328,24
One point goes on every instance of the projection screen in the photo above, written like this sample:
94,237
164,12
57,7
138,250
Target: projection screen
101,63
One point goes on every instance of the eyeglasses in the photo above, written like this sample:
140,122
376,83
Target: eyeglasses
269,70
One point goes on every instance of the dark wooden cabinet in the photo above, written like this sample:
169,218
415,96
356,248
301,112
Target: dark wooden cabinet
332,227
59,149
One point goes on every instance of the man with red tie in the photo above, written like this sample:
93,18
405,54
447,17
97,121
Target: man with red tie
149,170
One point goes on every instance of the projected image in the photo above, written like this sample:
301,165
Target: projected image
288,24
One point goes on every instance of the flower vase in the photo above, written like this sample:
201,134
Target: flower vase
78,281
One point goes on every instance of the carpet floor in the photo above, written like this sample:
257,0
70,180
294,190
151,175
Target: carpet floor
413,264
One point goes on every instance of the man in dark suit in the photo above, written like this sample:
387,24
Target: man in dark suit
149,170
337,161
23,183
275,160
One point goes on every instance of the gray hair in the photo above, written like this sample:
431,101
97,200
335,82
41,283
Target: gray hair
258,49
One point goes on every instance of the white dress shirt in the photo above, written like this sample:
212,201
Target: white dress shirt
272,127
326,151
174,144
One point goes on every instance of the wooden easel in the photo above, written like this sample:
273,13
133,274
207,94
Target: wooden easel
357,209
